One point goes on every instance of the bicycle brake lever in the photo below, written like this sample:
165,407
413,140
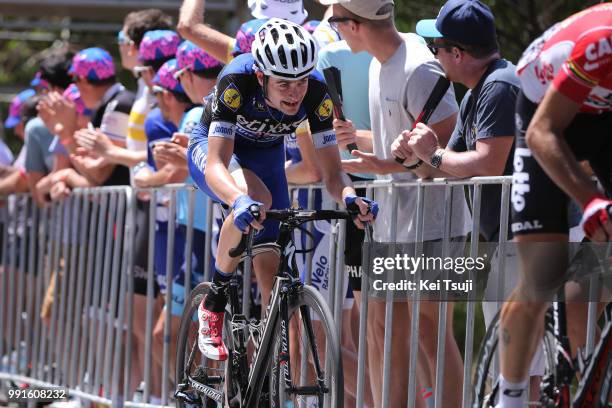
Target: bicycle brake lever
242,245
245,242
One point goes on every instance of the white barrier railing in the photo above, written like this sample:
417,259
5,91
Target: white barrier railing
81,252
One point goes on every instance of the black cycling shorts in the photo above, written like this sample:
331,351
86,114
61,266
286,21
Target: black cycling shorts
141,250
538,204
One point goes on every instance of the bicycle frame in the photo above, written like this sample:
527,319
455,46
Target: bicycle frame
286,285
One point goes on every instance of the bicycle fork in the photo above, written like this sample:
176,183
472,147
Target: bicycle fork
284,355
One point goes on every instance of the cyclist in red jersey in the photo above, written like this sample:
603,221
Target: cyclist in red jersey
564,115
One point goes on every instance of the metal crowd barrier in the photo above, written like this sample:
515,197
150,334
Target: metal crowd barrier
80,253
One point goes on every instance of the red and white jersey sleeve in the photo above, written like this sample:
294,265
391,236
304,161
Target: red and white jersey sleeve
575,57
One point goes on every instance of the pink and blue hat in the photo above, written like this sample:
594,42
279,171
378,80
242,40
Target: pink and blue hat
38,81
14,117
165,77
93,64
158,45
311,25
72,94
190,56
246,35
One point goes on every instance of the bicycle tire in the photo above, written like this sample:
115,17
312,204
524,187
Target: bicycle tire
604,399
485,385
187,349
309,299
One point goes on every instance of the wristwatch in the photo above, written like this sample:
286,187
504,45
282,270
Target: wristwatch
436,158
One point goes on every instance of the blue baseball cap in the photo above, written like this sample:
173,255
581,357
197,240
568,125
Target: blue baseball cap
468,22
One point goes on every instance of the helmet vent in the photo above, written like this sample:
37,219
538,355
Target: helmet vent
298,32
294,58
268,52
282,57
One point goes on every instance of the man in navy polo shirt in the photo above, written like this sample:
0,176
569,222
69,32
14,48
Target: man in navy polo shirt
463,39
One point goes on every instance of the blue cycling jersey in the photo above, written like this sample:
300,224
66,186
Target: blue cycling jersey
238,110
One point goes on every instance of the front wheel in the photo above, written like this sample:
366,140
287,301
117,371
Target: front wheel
316,376
200,381
605,394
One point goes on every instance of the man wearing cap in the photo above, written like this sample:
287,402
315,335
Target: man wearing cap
135,26
39,160
197,72
465,43
173,103
12,175
402,74
156,47
93,71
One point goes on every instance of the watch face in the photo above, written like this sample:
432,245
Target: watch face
436,160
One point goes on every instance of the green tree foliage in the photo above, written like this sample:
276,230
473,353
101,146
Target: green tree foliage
518,21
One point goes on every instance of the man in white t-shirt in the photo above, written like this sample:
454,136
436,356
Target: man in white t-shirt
402,75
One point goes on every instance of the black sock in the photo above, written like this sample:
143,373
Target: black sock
216,300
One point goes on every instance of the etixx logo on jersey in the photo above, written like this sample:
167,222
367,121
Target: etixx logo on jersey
325,109
231,97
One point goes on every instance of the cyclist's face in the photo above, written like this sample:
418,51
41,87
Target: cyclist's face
287,96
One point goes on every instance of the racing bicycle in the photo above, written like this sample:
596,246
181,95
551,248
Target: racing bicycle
291,358
590,376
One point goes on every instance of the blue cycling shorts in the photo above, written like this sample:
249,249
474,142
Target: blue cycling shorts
267,163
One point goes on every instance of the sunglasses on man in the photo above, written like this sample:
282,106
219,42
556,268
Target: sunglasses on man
435,47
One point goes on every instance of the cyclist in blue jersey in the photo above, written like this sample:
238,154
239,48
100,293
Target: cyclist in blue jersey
236,154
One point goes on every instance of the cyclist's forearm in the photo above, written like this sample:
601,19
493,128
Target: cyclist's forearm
339,186
336,181
221,182
556,158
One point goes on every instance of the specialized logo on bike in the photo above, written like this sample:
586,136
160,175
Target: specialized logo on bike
206,390
231,97
325,109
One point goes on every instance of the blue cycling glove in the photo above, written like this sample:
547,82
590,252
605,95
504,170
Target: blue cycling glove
242,213
353,208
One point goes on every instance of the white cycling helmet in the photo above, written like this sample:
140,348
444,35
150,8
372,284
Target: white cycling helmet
285,50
